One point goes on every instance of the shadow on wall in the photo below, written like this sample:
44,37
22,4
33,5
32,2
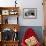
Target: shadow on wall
37,29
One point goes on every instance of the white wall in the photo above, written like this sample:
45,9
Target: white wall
27,4
32,4
7,3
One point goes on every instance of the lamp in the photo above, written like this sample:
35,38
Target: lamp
15,3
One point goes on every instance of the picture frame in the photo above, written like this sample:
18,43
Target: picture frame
30,13
5,12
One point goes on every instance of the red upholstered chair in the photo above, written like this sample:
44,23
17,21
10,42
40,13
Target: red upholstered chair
29,33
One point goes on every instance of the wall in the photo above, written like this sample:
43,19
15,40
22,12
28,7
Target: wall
27,4
7,3
32,4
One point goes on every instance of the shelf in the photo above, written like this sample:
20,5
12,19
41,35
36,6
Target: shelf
7,16
9,10
9,7
6,12
10,26
11,41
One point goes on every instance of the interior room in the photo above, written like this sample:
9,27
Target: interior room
22,23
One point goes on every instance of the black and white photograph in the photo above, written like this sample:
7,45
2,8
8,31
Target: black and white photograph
30,13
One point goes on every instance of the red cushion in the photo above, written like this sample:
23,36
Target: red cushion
29,33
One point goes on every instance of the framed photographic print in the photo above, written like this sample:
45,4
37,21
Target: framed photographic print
5,12
30,13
